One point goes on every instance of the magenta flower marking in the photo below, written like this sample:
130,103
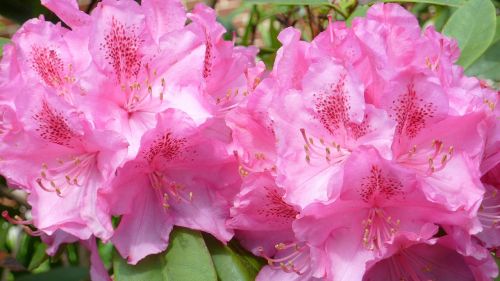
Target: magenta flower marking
122,50
363,155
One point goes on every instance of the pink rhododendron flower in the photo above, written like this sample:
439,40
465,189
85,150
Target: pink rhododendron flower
433,260
379,201
263,221
128,107
173,180
78,161
365,154
320,127
377,142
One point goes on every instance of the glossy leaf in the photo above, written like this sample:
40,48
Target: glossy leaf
360,11
497,31
188,258
498,264
59,274
3,41
488,65
152,268
230,263
453,3
473,25
290,2
39,256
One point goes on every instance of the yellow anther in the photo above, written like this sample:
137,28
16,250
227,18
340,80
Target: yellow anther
445,157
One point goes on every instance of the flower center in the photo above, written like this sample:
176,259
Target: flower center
291,257
489,212
74,172
168,190
378,229
333,154
430,159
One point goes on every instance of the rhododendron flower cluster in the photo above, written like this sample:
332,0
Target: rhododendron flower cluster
365,154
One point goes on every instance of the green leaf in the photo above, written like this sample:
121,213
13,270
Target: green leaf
3,41
453,3
151,268
232,265
440,17
290,2
106,253
473,25
360,11
188,258
39,256
498,264
488,65
497,31
59,274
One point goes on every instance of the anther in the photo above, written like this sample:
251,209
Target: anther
443,160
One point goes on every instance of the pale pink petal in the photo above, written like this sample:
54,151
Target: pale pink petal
68,11
205,211
163,17
259,206
268,273
421,262
291,59
145,229
118,39
97,270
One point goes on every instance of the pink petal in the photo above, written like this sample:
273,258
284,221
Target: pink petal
163,17
145,230
68,11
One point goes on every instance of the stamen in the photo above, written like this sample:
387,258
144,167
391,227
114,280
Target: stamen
62,176
169,190
25,224
489,212
378,229
289,255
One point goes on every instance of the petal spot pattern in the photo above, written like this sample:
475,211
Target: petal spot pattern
333,106
53,126
411,112
121,46
48,65
166,146
276,208
378,184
